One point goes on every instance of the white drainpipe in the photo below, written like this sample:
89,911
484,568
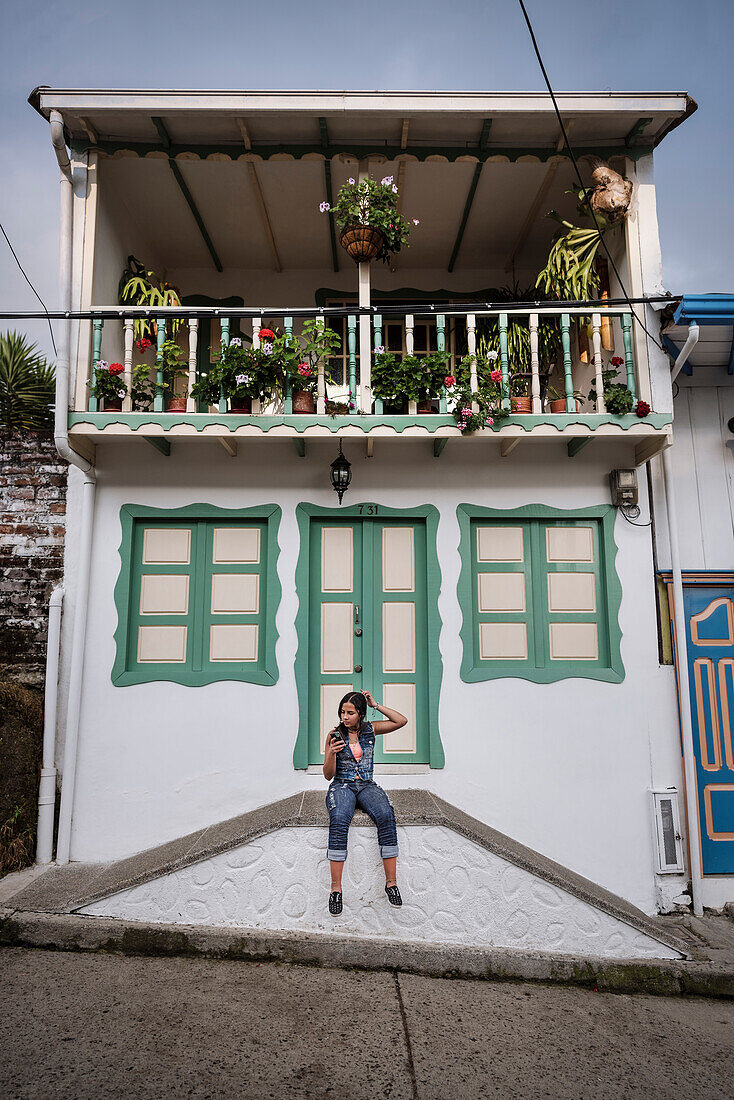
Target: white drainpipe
61,439
685,351
47,790
689,760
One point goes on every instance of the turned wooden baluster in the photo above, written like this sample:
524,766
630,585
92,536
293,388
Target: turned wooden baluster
288,404
629,361
257,324
567,363
193,346
127,360
535,366
224,343
596,342
504,365
159,403
441,346
96,350
409,348
377,343
352,359
471,344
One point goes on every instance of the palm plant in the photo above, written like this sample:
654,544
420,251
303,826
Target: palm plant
26,385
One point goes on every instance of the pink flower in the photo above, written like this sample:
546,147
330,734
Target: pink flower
466,411
304,370
415,221
462,426
496,376
490,421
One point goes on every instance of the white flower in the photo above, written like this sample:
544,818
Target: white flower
395,190
102,364
235,342
380,350
267,349
120,393
386,182
323,207
242,379
350,180
492,354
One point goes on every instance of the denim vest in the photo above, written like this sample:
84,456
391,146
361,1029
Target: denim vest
349,768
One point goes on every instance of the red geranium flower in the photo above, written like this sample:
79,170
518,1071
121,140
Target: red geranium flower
616,360
266,334
116,368
143,344
642,408
449,380
496,375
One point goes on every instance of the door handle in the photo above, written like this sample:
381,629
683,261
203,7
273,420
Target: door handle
356,613
357,668
358,632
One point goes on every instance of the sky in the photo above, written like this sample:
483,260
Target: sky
468,45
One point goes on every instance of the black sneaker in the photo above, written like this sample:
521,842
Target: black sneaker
335,903
393,895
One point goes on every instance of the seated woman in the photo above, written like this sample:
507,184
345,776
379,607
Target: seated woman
348,764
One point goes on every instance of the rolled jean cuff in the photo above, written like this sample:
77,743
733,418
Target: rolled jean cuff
338,855
388,851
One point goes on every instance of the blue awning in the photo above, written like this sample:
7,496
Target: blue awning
714,314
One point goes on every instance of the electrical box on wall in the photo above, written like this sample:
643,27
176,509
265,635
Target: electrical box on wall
623,484
669,841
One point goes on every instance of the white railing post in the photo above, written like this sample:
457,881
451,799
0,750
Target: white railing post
257,324
127,401
321,383
471,343
409,348
365,342
596,342
535,366
193,346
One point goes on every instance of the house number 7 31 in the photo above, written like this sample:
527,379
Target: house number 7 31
367,509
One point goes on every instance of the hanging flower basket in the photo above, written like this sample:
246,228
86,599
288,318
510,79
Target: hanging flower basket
362,242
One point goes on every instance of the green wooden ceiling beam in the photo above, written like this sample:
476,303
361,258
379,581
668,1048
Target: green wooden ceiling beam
183,186
465,215
636,130
484,136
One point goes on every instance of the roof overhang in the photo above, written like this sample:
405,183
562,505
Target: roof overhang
714,313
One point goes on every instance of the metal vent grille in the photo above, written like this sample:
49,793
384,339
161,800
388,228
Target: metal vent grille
669,844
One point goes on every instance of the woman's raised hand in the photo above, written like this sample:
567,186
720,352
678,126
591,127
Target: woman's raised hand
370,698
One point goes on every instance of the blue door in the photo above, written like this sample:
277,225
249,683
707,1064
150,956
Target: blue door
710,635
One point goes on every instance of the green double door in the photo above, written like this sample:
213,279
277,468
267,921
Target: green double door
368,628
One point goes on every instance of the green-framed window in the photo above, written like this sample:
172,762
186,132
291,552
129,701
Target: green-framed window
539,594
197,595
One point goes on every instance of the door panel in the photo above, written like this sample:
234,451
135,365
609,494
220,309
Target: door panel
710,631
368,627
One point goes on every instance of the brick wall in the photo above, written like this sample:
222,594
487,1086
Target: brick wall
32,517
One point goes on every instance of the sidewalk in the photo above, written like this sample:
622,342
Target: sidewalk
708,972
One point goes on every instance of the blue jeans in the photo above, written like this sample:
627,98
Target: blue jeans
343,796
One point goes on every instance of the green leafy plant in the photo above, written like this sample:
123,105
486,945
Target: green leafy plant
141,286
107,383
26,385
482,409
143,388
316,343
411,378
617,397
368,202
558,394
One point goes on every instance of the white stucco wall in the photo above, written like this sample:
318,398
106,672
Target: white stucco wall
565,768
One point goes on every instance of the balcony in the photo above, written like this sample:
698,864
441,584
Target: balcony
588,338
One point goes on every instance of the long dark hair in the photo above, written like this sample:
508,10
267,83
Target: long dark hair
359,702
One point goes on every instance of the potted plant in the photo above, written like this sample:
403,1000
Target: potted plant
412,378
557,399
317,342
369,222
140,286
108,386
617,397
480,409
169,361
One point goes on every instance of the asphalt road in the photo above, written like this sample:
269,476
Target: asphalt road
104,1026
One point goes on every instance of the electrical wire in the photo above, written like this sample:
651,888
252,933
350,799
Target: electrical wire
572,155
628,510
30,284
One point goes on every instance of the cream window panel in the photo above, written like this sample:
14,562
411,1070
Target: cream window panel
165,644
503,641
499,544
400,697
235,593
398,559
337,559
569,543
236,546
233,642
166,546
398,637
336,638
501,591
331,696
574,642
571,592
164,594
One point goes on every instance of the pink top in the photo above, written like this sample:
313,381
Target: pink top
356,751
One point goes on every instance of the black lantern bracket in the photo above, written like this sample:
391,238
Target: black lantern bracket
341,473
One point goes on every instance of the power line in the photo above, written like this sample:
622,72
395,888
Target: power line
30,284
580,179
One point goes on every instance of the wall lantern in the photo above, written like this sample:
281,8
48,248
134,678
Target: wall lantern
341,473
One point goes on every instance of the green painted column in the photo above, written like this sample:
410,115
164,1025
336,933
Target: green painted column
159,402
98,325
504,363
567,364
441,346
224,341
377,343
629,361
352,358
288,406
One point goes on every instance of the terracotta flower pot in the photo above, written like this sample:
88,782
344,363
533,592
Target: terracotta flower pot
303,402
559,406
362,242
243,406
521,404
176,405
425,408
113,404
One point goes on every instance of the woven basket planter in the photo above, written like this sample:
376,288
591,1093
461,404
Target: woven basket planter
362,242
